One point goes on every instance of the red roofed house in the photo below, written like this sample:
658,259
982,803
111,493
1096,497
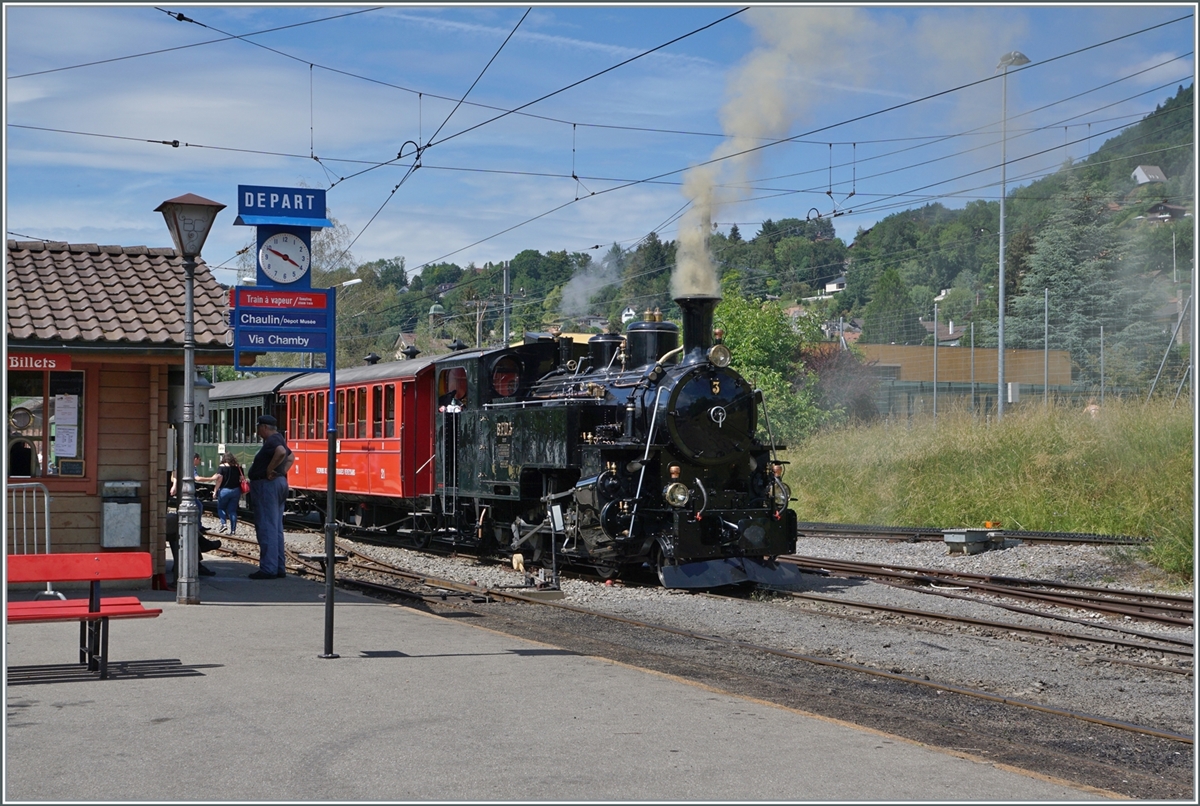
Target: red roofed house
92,332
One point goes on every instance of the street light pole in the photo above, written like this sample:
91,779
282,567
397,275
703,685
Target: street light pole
1011,59
189,218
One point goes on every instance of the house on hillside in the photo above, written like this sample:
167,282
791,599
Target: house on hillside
835,285
1145,174
948,335
1164,212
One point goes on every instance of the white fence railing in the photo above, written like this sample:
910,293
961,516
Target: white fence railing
28,524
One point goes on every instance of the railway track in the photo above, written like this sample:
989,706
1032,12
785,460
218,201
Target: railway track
932,533
1167,609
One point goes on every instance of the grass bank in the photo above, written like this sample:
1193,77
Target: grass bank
1128,471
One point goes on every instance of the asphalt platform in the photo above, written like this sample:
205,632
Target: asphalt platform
229,700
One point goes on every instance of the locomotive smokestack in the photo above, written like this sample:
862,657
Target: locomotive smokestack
697,325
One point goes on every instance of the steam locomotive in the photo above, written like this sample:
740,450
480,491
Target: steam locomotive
617,454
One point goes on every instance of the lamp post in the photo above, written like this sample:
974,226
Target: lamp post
189,218
1013,58
345,284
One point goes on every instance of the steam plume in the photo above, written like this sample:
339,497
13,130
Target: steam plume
762,103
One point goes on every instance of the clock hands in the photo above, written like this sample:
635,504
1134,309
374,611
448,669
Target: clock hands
285,257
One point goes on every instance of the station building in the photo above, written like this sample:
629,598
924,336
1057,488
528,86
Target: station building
95,338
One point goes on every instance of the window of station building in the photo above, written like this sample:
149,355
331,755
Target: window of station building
452,385
46,423
362,412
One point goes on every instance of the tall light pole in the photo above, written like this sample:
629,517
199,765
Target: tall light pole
1014,58
345,284
189,218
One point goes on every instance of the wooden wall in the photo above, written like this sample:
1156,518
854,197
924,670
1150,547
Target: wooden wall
131,445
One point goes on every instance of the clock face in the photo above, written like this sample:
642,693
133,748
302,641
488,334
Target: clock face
284,257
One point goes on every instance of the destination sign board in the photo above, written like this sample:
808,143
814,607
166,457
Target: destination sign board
284,318
282,341
241,297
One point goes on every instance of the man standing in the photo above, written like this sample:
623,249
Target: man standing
268,495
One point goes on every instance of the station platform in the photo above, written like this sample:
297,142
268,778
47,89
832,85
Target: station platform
229,700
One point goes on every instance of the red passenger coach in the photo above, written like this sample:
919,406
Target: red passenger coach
385,425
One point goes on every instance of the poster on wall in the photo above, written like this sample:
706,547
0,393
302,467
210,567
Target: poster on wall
65,441
66,410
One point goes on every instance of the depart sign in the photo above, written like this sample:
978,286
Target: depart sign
289,207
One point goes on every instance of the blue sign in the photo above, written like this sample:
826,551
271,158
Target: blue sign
281,341
292,320
286,207
273,320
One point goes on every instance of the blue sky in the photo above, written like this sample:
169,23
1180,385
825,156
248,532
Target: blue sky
84,161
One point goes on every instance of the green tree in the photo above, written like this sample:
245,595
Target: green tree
1076,258
891,317
766,351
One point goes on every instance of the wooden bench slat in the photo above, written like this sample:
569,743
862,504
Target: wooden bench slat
43,616
77,610
83,567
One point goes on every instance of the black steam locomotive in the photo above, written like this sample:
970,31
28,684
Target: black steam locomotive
621,453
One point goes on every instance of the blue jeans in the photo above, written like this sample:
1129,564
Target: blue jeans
227,506
268,499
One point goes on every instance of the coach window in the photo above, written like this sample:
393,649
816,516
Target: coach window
293,415
389,410
362,412
298,431
320,419
506,376
45,423
351,408
377,411
452,385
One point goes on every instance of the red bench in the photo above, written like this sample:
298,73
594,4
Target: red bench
92,613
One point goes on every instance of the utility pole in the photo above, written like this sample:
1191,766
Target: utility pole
507,304
480,310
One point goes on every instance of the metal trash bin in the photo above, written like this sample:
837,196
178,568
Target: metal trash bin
121,515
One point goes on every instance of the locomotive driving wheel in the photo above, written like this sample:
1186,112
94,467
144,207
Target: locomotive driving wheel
658,560
422,530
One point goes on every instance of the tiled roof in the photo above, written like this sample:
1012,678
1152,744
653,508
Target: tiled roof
85,294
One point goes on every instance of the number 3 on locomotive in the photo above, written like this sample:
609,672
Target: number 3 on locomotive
716,386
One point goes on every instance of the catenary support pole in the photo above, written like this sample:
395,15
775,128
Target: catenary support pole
330,479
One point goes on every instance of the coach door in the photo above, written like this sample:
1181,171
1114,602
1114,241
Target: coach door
451,395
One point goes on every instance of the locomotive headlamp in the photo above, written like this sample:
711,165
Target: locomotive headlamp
781,493
677,494
719,355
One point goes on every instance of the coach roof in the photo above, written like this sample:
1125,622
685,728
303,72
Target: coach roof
362,374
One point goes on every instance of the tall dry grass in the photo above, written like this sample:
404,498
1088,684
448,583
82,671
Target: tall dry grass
1128,471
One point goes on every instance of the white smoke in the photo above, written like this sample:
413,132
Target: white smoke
763,101
586,283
